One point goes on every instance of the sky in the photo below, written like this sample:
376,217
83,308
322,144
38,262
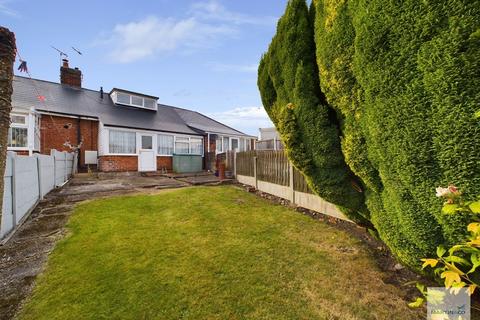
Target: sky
199,55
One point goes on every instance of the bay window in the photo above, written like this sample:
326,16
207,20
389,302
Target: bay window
122,142
165,145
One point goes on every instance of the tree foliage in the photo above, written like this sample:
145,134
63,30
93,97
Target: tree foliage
290,90
403,79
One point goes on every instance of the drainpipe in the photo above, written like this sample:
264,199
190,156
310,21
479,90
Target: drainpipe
79,136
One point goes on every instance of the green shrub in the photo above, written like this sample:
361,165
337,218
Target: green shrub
288,82
404,81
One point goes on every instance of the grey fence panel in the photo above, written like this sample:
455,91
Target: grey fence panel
69,165
25,185
29,179
46,173
8,219
60,167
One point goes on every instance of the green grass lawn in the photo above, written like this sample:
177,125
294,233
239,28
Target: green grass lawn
208,253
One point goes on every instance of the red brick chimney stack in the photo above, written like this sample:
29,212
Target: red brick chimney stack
69,76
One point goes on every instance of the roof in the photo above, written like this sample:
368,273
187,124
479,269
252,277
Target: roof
62,99
201,122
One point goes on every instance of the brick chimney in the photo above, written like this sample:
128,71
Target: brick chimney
69,76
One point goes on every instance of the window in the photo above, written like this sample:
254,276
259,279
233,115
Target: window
242,145
17,137
134,100
149,103
218,144
122,142
137,101
182,145
234,144
225,144
147,142
165,145
18,132
123,98
196,146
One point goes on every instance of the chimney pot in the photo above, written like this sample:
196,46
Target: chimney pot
101,92
65,63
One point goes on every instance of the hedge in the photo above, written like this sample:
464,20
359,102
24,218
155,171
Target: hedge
291,94
404,81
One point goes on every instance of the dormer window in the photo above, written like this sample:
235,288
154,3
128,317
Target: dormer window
132,99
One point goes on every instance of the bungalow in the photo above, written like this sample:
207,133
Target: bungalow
119,131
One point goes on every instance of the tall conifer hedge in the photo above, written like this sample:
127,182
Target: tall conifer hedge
290,90
404,81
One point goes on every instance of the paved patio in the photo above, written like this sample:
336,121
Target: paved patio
23,256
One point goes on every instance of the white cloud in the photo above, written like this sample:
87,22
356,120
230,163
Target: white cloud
6,10
152,35
213,10
205,24
246,119
223,67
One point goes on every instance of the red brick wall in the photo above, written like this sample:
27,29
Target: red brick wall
71,77
166,162
118,163
56,131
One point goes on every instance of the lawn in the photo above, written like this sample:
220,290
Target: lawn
208,253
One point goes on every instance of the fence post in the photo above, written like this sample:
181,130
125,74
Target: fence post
14,194
235,163
39,168
255,172
292,181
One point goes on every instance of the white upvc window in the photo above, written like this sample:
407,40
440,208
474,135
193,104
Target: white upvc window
188,145
134,100
18,132
165,145
196,146
122,142
182,145
218,144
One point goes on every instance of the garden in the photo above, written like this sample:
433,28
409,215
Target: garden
208,253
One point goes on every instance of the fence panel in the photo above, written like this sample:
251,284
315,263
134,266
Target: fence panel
299,182
26,180
8,220
245,165
272,166
46,173
69,165
60,167
26,188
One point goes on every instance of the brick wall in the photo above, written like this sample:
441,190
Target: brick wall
166,162
56,131
71,77
118,163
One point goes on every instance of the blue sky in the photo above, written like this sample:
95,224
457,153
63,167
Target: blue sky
200,55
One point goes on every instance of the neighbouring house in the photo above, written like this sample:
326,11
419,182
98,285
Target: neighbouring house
269,140
118,131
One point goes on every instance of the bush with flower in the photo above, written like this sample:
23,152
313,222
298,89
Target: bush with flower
459,266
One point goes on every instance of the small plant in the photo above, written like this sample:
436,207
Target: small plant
456,266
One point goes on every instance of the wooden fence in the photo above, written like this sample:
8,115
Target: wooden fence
271,172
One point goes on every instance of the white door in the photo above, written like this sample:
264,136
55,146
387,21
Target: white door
147,157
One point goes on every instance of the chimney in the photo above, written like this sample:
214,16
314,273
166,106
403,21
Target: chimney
69,76
101,92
